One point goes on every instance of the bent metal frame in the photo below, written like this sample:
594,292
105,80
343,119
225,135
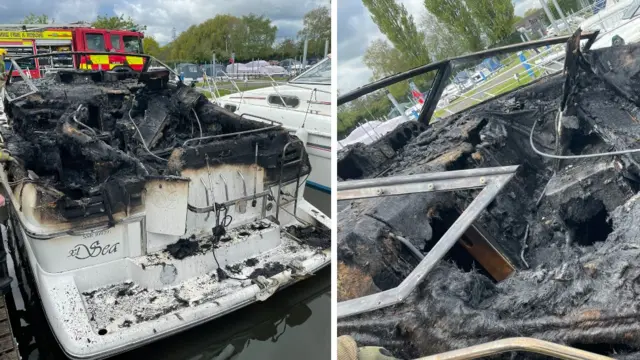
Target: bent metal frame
492,180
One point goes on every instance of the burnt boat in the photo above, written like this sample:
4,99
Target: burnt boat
522,218
140,209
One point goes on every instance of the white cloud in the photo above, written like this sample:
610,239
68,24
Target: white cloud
356,31
522,6
161,16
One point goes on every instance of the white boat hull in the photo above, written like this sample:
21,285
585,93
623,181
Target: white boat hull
79,304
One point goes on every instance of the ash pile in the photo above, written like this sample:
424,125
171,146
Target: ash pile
89,140
556,256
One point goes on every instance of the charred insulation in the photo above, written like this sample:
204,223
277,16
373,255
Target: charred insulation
576,270
77,136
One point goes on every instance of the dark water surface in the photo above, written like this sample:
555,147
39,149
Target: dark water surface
294,323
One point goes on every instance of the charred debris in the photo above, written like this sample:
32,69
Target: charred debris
565,232
76,139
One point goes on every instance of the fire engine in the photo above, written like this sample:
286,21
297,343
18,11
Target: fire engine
23,40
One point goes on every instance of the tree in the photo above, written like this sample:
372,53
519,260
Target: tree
494,17
442,42
256,37
36,19
394,21
455,15
384,60
532,11
151,46
116,23
474,19
250,37
286,49
317,29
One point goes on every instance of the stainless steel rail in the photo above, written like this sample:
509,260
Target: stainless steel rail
492,179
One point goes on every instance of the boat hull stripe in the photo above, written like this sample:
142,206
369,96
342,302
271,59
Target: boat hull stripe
319,147
318,187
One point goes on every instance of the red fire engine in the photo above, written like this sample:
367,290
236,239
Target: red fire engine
24,40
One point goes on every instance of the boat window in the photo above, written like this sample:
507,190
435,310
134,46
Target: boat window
632,10
132,44
319,74
231,108
289,101
95,42
115,42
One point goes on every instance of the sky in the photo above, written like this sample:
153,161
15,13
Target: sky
356,30
161,16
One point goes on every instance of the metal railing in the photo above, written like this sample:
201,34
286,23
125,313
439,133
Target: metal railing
523,344
443,72
492,180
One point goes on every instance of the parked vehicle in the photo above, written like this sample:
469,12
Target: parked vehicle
53,39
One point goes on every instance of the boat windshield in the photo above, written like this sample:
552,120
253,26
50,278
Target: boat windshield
319,74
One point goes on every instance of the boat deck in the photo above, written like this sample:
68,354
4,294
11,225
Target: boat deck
8,346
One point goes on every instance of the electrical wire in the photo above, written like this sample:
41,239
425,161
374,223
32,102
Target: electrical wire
140,134
218,231
81,123
585,156
199,125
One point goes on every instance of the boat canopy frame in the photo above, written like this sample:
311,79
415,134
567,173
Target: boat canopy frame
445,67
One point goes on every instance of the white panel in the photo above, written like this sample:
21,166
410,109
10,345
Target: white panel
166,206
73,252
134,239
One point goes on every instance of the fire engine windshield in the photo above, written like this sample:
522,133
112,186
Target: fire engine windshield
132,44
95,42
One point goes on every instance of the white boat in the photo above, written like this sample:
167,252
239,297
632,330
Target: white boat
303,106
618,23
142,248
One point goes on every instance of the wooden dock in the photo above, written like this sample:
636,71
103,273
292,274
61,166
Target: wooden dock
8,346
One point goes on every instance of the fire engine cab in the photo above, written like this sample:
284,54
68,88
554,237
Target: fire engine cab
23,40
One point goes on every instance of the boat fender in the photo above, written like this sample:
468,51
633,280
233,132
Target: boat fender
303,135
267,287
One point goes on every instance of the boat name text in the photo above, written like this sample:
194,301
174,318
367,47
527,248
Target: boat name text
82,251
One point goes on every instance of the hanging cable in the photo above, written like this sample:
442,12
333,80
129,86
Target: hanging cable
199,125
585,156
218,232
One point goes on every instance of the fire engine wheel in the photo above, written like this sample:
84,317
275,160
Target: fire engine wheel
122,68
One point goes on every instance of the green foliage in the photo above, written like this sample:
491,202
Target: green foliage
36,19
370,107
384,60
532,11
317,29
471,19
256,36
394,21
457,17
287,49
151,46
494,17
442,42
250,37
116,23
